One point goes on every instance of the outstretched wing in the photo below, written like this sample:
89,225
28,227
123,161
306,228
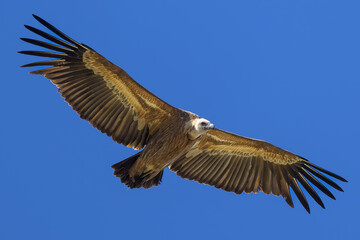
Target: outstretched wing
234,163
98,90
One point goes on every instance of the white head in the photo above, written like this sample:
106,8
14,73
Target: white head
199,127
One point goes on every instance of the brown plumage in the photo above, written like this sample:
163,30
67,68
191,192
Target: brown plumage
107,97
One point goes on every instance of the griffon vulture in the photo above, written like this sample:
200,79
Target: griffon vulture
107,97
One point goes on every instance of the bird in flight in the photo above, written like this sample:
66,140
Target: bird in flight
106,96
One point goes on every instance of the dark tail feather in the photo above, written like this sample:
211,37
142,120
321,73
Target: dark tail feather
122,171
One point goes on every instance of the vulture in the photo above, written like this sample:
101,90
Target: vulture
107,97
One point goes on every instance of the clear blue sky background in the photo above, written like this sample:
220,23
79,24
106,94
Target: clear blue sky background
283,71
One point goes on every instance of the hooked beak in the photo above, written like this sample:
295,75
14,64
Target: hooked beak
210,126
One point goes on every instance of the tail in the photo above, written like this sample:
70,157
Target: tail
122,171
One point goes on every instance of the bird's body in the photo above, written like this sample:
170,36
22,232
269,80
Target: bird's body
106,96
165,146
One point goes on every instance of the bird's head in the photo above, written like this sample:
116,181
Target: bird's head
199,127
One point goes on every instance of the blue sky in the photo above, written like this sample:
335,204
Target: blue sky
283,71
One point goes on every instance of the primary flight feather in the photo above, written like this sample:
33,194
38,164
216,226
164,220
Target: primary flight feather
107,97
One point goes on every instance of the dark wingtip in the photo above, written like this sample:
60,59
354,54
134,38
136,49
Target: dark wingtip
337,187
327,172
26,52
332,196
37,17
27,26
289,201
338,177
21,53
342,179
40,20
57,32
320,202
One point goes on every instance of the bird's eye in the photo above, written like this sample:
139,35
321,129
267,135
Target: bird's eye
203,124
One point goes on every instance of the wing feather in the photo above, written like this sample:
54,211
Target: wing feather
222,175
266,178
295,186
309,189
238,164
244,177
316,182
251,177
201,173
231,173
102,93
235,174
